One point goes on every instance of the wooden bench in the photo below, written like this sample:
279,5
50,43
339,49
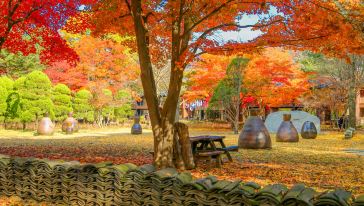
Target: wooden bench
209,155
234,148
349,133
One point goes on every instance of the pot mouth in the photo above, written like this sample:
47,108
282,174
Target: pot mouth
254,112
287,117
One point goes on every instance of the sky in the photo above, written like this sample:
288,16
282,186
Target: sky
243,35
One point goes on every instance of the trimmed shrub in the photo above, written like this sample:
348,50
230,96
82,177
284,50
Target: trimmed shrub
61,96
35,96
124,109
82,107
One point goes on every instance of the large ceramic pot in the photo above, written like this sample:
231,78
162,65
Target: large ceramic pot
308,130
254,134
286,131
136,128
70,125
46,126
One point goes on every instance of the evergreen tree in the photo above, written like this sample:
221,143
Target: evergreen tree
124,102
17,65
61,96
82,106
6,87
228,92
35,96
108,107
3,105
7,83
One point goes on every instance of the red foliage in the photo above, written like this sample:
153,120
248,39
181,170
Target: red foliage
26,23
63,72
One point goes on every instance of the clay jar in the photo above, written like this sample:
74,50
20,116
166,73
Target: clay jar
136,128
286,131
46,126
70,125
254,134
308,130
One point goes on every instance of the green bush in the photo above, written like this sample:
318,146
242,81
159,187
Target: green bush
3,105
61,96
6,87
35,96
108,109
123,109
82,107
7,83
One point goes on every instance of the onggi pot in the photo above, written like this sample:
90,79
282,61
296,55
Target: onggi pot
286,131
308,130
46,126
254,134
70,124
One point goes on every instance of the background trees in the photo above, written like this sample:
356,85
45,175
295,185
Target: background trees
17,64
336,83
273,78
229,92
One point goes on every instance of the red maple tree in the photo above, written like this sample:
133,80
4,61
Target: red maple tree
27,23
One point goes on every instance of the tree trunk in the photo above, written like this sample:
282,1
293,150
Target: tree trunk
352,97
181,131
162,120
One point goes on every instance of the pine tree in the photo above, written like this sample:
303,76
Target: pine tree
82,107
61,97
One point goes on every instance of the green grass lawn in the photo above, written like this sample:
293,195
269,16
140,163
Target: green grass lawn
321,163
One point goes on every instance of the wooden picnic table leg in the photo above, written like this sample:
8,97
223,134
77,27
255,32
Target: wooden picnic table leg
218,157
226,151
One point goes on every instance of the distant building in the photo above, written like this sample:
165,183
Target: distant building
360,107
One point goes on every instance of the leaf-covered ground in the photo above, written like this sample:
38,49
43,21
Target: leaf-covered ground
321,163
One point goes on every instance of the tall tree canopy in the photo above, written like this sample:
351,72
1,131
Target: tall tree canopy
182,30
274,79
204,76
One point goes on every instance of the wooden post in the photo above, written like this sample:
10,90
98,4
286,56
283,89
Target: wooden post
184,141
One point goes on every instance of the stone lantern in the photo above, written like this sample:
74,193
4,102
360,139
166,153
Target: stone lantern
136,128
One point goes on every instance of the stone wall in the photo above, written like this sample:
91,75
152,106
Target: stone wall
72,183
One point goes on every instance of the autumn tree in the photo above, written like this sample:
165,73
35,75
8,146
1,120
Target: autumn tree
24,24
273,78
112,64
229,92
340,82
186,29
332,27
204,75
65,73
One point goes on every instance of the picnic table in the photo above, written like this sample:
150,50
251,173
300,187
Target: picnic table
205,147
